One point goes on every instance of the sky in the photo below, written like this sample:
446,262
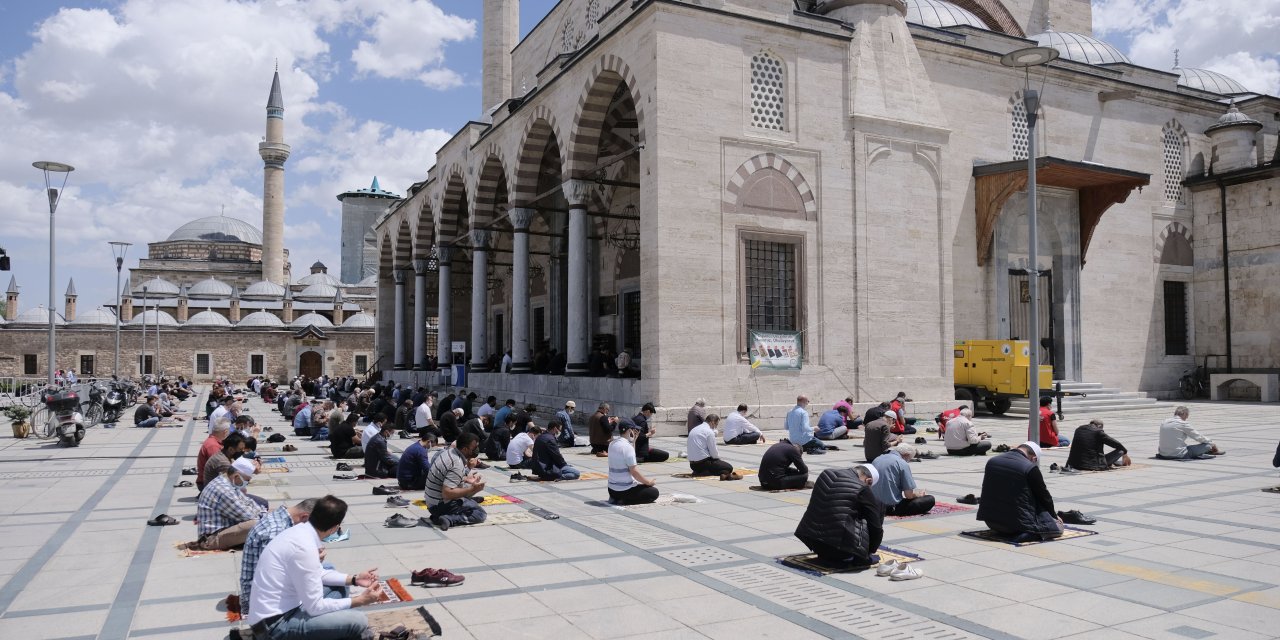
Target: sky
160,104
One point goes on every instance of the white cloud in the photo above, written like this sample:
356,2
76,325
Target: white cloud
407,42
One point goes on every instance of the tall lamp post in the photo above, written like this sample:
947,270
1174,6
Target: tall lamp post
118,250
54,194
1025,59
142,364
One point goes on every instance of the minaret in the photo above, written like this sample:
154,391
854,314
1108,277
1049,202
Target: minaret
69,311
11,300
274,152
501,25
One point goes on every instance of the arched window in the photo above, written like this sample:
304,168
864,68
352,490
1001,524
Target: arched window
1019,139
1174,145
768,92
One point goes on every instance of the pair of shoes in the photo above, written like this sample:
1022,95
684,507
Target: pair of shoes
184,483
1001,448
968,499
400,521
1066,470
898,571
886,568
342,466
343,476
921,440
1053,467
384,490
162,520
436,578
395,502
815,451
399,632
189,471
1075,517
440,522
267,429
732,475
288,448
931,430
518,477
928,455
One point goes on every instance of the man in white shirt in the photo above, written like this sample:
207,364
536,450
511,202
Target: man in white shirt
962,438
506,363
222,411
372,429
1174,433
289,597
703,457
520,449
422,415
626,484
739,430
489,407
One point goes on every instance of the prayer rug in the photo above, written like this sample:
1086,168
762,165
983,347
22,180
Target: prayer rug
513,517
543,513
807,485
196,553
809,562
266,469
1135,465
987,534
275,460
415,620
1271,490
589,475
939,509
741,472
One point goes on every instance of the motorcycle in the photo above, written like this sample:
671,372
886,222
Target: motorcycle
114,403
65,420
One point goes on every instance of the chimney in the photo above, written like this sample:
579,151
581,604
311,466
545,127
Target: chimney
126,308
11,300
337,308
183,305
233,314
501,29
69,311
286,314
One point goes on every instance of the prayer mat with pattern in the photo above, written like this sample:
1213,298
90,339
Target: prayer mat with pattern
807,485
1068,533
939,509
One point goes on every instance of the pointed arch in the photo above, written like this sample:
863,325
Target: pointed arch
453,218
424,229
492,194
542,134
403,255
765,173
611,81
1174,247
994,13
1174,143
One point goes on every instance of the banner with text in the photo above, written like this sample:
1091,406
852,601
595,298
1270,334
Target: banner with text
779,350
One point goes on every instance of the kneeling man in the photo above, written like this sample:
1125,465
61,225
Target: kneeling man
1015,500
844,523
897,489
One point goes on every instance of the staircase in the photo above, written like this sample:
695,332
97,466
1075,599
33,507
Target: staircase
1097,398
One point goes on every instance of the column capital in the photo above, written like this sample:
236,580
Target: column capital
480,239
398,276
444,253
521,217
420,267
578,192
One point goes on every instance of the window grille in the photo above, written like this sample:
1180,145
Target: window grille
768,92
30,364
203,364
1019,136
1175,318
631,319
362,364
1173,167
770,281
257,365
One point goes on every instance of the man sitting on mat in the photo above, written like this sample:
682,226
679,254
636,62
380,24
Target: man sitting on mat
520,449
962,438
897,489
782,467
415,462
451,485
876,437
844,523
626,484
1015,501
644,452
224,511
548,462
831,425
1174,433
378,460
344,443
268,527
1086,449
739,430
704,459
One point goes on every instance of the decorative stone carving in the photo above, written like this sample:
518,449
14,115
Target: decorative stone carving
578,192
521,217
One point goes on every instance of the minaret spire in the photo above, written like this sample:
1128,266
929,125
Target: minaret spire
274,153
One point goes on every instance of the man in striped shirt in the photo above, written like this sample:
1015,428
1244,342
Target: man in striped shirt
262,534
451,484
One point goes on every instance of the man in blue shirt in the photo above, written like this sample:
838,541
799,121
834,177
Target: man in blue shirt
897,489
411,473
508,409
831,426
302,421
798,429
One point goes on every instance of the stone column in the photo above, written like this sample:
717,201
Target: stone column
555,293
397,354
521,360
577,342
479,300
444,259
419,315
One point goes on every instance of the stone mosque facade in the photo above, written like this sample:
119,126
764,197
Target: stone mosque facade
665,176
215,298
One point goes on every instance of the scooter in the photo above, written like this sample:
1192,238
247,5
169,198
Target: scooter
114,404
65,420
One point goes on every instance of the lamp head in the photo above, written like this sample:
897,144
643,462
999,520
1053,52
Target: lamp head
1029,57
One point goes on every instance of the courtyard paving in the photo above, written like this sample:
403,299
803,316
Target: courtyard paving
1185,550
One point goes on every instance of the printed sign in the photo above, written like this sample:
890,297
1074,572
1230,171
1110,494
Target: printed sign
459,347
778,350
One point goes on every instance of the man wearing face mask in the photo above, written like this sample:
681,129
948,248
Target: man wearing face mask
1015,501
224,511
844,523
451,485
263,533
626,484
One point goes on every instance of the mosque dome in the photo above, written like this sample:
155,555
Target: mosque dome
263,290
217,229
39,316
1234,118
99,317
260,320
318,292
319,278
359,321
1081,48
1207,80
939,14
307,319
153,318
157,288
210,289
369,281
207,319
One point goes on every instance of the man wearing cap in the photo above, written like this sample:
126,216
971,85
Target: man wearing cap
567,437
626,484
798,429
877,437
843,523
224,512
897,489
1015,501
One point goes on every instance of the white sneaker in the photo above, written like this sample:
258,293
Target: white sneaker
887,568
905,572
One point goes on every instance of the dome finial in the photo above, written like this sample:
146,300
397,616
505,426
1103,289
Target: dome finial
1176,62
1048,20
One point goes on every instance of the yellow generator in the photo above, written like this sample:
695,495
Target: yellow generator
993,371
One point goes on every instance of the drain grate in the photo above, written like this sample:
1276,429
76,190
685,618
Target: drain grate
84,473
700,556
635,533
307,463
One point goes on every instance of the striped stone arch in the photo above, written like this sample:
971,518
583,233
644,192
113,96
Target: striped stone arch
424,230
994,13
1174,247
607,76
774,163
386,255
493,189
453,217
542,128
403,256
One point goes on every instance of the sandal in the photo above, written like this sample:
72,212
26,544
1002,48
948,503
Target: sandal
162,520
288,448
968,499
184,483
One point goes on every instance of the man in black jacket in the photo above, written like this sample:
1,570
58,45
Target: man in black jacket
1086,449
782,467
1015,500
548,463
378,461
844,523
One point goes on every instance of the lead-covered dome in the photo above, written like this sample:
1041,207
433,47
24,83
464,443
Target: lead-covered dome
939,14
263,290
260,320
217,229
210,289
319,278
153,318
39,316
359,321
308,319
1207,80
207,319
99,317
157,288
318,292
1081,48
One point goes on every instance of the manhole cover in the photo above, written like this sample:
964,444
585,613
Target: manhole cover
700,556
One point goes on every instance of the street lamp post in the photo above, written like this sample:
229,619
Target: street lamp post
54,194
118,250
1025,59
142,362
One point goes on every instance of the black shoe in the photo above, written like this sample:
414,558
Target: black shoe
440,522
343,476
1075,517
518,477
1001,448
928,455
190,471
431,621
481,465
383,490
968,499
342,466
921,440
1053,467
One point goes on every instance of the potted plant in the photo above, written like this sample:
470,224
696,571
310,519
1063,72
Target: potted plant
19,414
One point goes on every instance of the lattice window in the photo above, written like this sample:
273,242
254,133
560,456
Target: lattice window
1019,138
1173,165
768,92
204,364
771,285
1175,318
